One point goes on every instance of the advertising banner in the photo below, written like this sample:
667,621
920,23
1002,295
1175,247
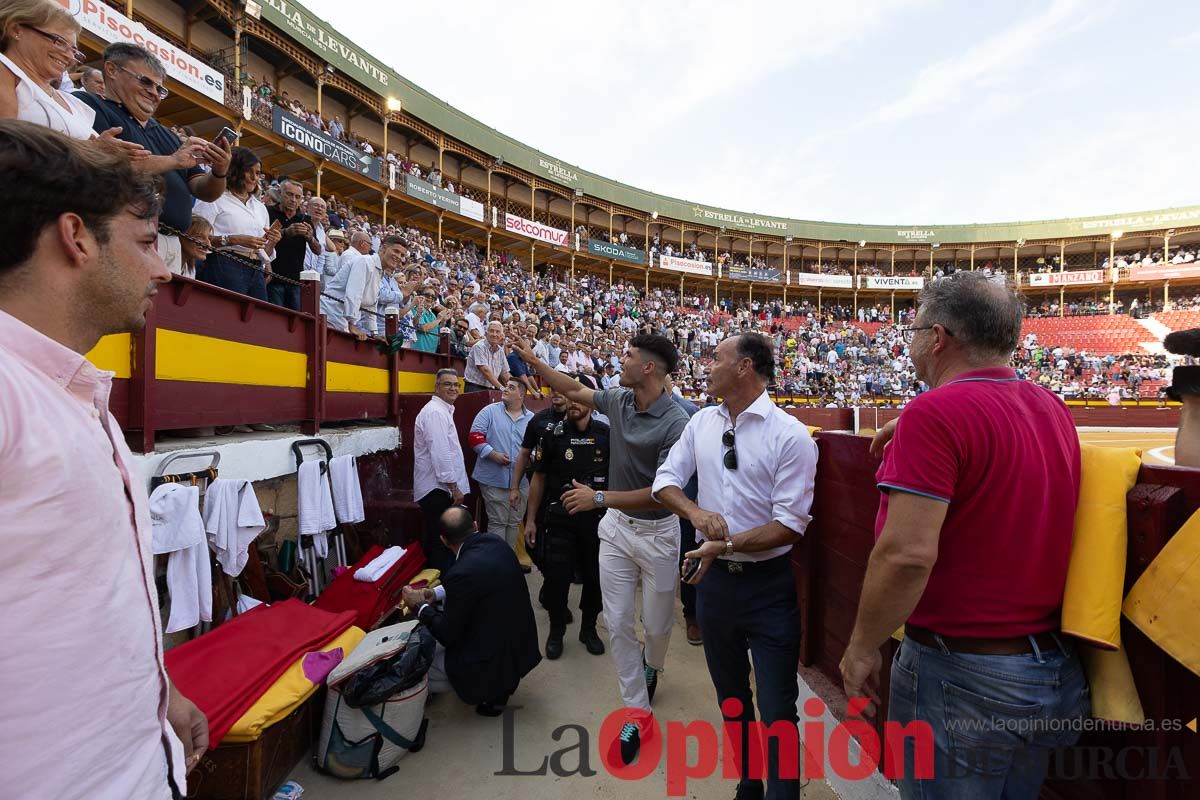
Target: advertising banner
471,209
609,250
311,31
1066,278
315,141
424,190
1165,272
535,230
685,265
900,283
744,273
112,26
823,281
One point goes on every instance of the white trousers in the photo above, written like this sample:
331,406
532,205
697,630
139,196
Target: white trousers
633,550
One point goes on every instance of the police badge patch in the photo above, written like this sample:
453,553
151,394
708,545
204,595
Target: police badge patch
569,455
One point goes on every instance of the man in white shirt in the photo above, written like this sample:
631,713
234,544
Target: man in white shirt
756,466
439,472
475,316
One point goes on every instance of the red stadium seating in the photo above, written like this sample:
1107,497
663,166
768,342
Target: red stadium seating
1110,333
1179,320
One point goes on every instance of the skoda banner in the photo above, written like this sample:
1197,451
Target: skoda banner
685,265
534,230
295,130
743,273
1066,278
822,280
897,283
610,250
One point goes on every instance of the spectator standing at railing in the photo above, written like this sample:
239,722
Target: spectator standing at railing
241,228
298,243
487,366
37,45
342,297
196,168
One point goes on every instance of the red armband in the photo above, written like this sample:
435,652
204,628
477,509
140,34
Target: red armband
475,438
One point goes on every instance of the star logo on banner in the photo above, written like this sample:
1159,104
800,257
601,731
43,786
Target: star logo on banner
697,211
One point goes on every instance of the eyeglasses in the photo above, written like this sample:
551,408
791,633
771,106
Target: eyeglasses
907,331
730,458
60,43
147,83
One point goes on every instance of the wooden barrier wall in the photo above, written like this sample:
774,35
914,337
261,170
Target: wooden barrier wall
831,561
211,357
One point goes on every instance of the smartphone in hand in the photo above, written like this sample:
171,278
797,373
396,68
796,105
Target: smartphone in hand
690,567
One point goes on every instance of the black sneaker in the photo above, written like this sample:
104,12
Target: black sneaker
631,743
591,641
651,677
554,646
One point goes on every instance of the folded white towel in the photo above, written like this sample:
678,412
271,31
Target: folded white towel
379,565
316,505
347,493
233,519
178,529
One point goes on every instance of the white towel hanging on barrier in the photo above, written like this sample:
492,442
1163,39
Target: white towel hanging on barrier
178,530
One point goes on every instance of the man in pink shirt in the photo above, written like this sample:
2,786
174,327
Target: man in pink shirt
88,709
980,482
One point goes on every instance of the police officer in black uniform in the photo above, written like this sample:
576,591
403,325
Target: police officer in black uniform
542,423
576,449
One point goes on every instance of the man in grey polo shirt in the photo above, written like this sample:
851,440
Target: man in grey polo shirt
639,539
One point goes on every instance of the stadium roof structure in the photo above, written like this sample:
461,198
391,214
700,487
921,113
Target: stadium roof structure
315,35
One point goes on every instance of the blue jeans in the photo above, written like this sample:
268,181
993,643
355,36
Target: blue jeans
757,611
995,719
221,271
284,294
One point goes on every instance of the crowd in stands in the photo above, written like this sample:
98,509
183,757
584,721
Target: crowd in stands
254,234
1153,258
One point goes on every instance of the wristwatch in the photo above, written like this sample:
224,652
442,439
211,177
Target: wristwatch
728,547
598,499
224,241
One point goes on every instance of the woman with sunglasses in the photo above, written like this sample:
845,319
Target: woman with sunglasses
37,46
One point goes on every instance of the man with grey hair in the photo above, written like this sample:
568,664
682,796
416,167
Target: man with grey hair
92,81
133,89
980,479
298,242
342,299
487,366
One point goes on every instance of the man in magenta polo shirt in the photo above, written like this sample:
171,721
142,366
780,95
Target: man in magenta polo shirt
979,482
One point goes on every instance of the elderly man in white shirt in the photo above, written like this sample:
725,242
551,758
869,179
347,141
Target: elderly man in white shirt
344,292
756,467
439,472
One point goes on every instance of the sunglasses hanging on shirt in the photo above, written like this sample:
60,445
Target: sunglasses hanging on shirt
730,457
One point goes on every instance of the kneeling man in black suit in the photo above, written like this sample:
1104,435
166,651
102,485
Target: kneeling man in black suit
480,615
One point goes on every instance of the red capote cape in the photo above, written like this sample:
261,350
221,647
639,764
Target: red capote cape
371,601
226,670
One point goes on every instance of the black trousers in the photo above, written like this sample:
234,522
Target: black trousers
755,610
687,543
437,555
562,551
